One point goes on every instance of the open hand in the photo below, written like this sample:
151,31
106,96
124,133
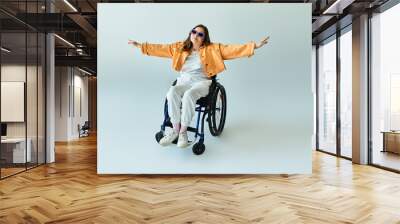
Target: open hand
134,43
262,43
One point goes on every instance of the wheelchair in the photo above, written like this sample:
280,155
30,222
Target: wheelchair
213,106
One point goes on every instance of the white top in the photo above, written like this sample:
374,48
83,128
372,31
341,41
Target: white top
192,70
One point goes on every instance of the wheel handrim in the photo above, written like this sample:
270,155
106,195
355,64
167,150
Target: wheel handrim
218,109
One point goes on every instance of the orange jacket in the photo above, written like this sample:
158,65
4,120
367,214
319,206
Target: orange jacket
212,57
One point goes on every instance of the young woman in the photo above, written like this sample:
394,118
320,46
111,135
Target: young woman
197,60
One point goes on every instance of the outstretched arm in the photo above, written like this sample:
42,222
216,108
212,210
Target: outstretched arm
262,42
160,50
232,51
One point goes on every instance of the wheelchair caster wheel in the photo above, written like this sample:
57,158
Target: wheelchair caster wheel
198,148
159,136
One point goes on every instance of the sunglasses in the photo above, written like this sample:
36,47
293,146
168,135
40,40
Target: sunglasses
200,34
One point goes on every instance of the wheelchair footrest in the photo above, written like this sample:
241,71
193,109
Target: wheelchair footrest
192,129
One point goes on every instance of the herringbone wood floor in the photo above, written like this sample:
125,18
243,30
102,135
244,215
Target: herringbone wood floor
70,191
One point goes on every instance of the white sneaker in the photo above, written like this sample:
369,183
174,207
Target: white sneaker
169,138
183,140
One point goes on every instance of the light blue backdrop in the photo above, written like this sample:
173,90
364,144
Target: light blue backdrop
269,116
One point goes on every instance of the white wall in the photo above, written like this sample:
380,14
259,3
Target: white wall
33,127
12,101
68,81
12,73
15,72
61,103
80,89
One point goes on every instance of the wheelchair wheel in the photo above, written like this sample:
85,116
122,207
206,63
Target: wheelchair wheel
159,136
198,148
217,112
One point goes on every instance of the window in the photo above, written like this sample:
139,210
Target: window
385,89
346,92
327,96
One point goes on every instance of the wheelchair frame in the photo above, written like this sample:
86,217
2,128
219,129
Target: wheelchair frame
204,106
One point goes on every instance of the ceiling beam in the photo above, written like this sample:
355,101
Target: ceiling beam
86,26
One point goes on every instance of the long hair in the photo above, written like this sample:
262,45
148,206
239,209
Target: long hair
187,44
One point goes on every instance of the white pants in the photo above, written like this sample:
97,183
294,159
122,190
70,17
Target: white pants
185,94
